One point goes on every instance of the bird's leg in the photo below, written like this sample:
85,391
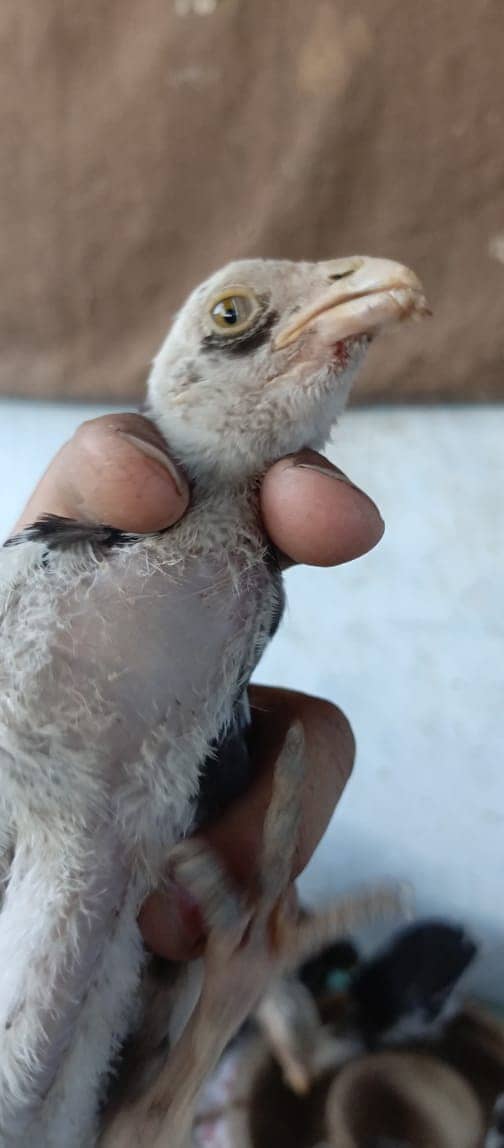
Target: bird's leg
166,994
291,1024
241,955
63,894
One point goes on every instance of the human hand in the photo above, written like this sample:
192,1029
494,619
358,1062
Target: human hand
115,470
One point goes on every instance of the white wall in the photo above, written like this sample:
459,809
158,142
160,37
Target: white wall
408,640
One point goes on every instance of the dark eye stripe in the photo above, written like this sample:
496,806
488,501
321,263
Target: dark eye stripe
245,343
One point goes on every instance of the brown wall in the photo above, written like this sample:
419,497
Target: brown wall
142,146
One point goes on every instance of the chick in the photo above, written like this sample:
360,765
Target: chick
408,991
125,662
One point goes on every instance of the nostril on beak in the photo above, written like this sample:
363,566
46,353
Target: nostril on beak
341,274
342,268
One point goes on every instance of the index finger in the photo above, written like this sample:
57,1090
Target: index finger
315,514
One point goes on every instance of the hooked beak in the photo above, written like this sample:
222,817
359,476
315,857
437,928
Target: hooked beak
368,295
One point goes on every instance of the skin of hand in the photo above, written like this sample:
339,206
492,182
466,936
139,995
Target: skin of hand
115,470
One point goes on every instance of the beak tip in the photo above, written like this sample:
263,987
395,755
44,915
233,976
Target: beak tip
423,309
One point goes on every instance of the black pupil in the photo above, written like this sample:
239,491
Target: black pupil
231,314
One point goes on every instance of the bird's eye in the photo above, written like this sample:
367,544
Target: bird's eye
234,313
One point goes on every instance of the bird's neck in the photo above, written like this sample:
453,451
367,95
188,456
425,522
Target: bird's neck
212,484
207,472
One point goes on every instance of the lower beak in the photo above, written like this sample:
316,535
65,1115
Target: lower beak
372,294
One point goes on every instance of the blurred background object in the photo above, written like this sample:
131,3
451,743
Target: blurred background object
143,145
434,1080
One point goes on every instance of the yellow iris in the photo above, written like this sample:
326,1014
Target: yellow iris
234,312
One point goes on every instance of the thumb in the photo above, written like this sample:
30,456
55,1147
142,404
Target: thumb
115,470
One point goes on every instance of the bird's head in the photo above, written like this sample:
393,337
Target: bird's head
260,359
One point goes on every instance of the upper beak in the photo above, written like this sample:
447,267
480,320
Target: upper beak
367,294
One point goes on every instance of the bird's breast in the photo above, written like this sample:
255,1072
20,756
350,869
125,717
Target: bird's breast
124,667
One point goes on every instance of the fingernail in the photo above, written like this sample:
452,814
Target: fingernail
152,451
337,475
329,471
